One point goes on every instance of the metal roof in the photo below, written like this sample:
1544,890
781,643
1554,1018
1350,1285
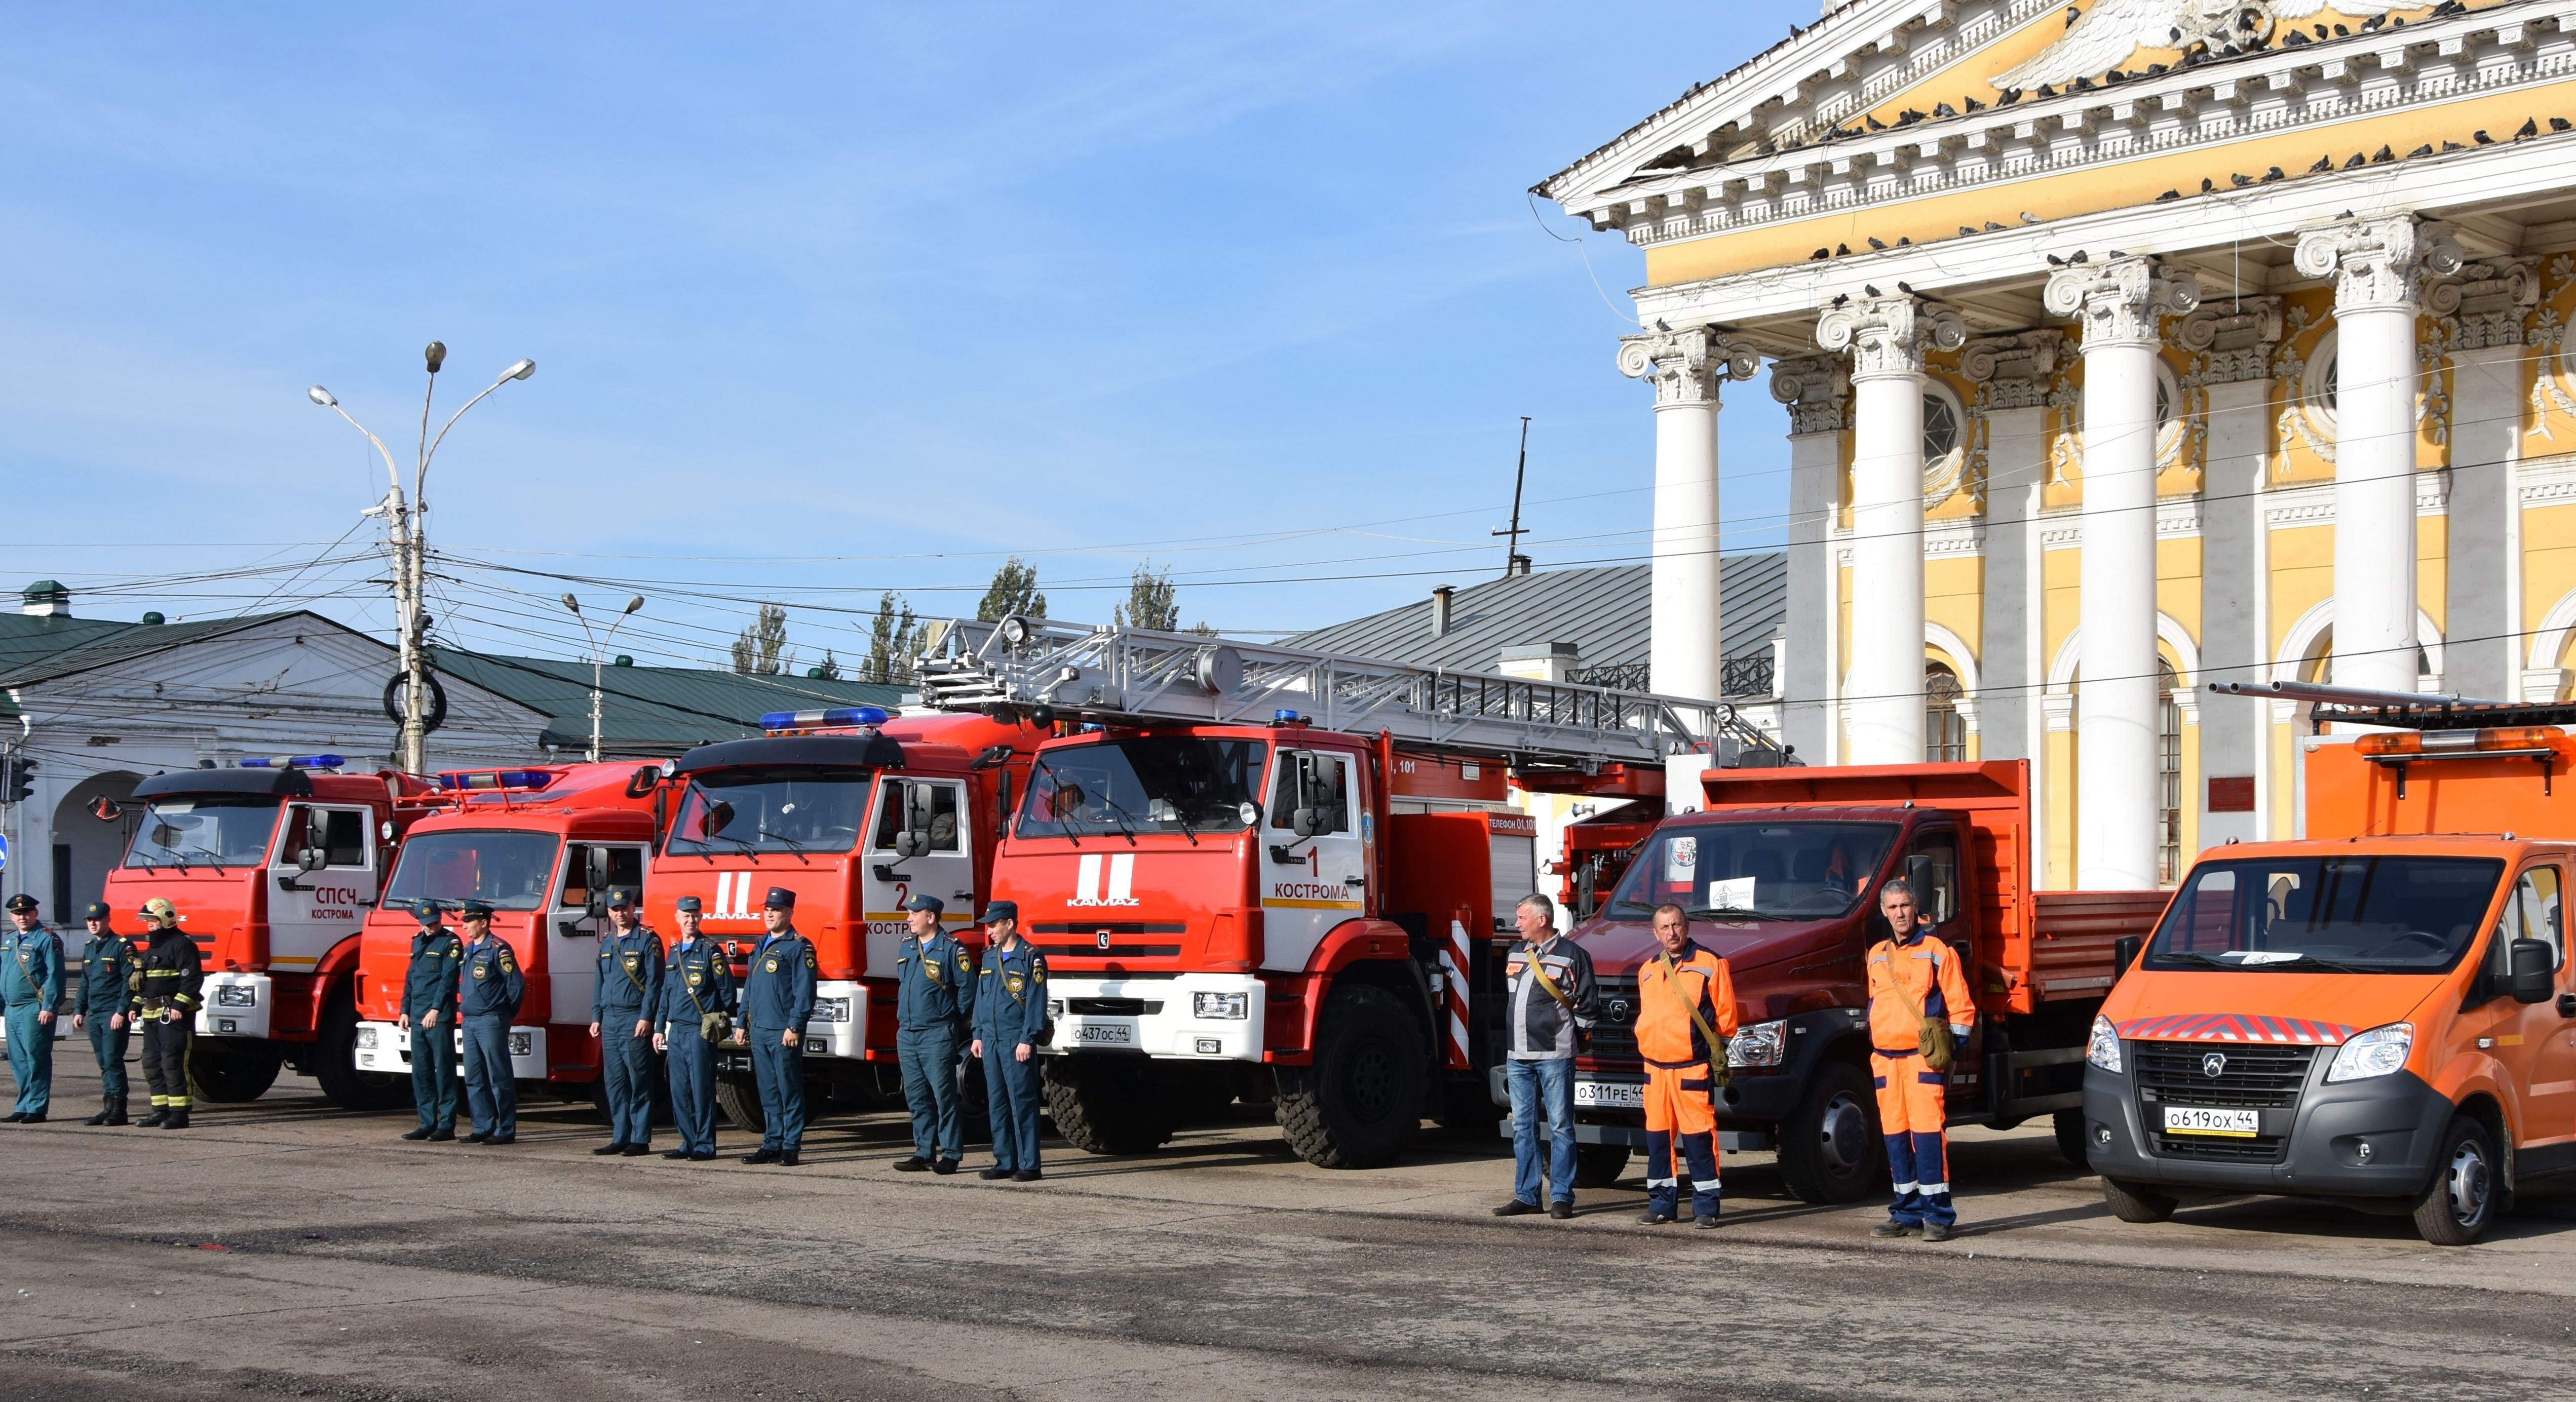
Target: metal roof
1605,611
651,710
37,648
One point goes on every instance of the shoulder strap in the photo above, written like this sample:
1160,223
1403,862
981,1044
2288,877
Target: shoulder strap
1672,977
1538,969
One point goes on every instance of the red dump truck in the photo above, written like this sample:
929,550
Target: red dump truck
1781,876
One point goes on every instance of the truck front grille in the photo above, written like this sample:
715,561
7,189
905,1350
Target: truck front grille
1114,1007
2249,1075
1614,1034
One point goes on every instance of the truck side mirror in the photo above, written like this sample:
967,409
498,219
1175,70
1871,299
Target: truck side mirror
2534,977
312,859
1308,822
918,802
2124,952
595,869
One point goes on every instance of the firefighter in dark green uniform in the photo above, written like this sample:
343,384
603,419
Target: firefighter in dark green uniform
933,1003
107,964
429,1010
1010,1025
31,985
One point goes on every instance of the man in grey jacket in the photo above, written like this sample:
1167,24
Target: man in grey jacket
1551,1001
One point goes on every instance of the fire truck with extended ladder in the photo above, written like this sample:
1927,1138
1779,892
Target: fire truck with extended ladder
1228,898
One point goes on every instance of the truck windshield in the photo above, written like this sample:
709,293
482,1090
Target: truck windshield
509,870
776,808
225,831
1790,871
2351,913
1170,783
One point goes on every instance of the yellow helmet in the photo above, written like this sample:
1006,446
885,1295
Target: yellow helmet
160,912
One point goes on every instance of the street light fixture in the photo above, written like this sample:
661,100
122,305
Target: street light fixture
598,653
409,543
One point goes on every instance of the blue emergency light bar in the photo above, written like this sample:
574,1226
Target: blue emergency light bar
828,717
1283,717
497,779
295,762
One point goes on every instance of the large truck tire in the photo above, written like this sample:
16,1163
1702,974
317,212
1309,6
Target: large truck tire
232,1070
2461,1202
1361,1101
335,1062
2070,1138
1830,1149
739,1098
1600,1165
2136,1202
1107,1105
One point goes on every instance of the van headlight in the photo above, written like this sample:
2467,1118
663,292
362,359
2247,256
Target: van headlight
2103,1049
1762,1044
2377,1052
831,1010
236,995
1214,1006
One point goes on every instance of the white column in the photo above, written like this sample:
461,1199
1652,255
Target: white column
2379,266
2486,307
1685,367
1819,398
1887,337
2120,304
2012,375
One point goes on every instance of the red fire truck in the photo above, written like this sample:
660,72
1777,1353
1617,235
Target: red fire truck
1253,874
540,845
1780,876
273,866
854,810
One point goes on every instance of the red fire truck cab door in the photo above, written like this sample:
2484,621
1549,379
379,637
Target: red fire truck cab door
1311,884
327,905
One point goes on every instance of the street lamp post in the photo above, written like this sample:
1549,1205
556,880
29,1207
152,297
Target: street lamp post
598,651
406,540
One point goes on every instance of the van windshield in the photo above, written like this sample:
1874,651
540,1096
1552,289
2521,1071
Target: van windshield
2353,914
230,830
1787,871
505,870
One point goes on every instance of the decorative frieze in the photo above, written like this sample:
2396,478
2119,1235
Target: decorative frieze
2120,301
1889,335
1684,367
2234,341
2011,372
2487,304
2379,263
1817,390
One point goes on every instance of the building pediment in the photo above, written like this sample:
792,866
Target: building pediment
1806,147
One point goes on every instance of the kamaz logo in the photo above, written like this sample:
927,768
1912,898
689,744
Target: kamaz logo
1086,880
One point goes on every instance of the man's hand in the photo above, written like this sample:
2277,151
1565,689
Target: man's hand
403,1021
430,1018
787,1039
45,1018
644,1028
1021,1051
594,1029
169,1014
975,1048
660,1043
80,1022
116,1022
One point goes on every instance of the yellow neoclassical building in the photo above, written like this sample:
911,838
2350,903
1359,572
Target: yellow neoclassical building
2129,345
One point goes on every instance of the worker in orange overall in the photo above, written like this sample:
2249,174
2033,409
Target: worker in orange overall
1685,1014
1919,1016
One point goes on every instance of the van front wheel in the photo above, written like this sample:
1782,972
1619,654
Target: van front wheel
2136,1202
2457,1207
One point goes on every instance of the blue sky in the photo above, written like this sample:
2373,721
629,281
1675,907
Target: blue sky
831,300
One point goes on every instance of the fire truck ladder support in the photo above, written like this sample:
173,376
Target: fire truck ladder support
1134,676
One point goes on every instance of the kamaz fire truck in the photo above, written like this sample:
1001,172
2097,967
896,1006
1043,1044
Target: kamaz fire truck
1229,898
854,810
273,865
540,845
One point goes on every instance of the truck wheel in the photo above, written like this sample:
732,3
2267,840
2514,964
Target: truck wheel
2070,1138
335,1064
2457,1207
739,1098
1106,1105
1362,1099
232,1070
1600,1165
1830,1150
2136,1202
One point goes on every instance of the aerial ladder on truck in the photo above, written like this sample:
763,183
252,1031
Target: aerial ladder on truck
1210,854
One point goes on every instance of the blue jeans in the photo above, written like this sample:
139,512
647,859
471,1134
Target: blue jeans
1530,1080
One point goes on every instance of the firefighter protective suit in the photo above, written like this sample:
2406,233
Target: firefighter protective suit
1681,999
1912,980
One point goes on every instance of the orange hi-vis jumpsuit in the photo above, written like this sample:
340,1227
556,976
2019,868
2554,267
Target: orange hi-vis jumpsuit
1911,979
1678,1074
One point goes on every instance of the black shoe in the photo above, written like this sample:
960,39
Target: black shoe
995,1172
35,1119
1518,1208
1027,1175
944,1167
1560,1210
703,1156
677,1154
420,1134
1936,1231
116,1111
1893,1228
19,1118
787,1159
497,1140
1707,1223
151,1121
915,1164
1653,1218
637,1151
761,1156
441,1136
614,1146
178,1120
106,1112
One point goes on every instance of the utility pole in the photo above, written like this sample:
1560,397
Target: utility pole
1514,562
598,652
407,542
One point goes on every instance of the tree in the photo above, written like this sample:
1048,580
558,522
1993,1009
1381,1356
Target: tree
1150,602
890,643
829,670
762,648
1014,590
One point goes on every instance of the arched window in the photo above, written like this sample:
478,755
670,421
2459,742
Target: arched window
1945,731
2168,775
1940,428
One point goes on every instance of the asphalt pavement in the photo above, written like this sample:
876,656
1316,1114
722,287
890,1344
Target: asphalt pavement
285,1248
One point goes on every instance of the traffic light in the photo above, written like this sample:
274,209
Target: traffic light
17,779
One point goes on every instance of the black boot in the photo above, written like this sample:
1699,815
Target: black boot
106,1112
116,1110
178,1119
153,1120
